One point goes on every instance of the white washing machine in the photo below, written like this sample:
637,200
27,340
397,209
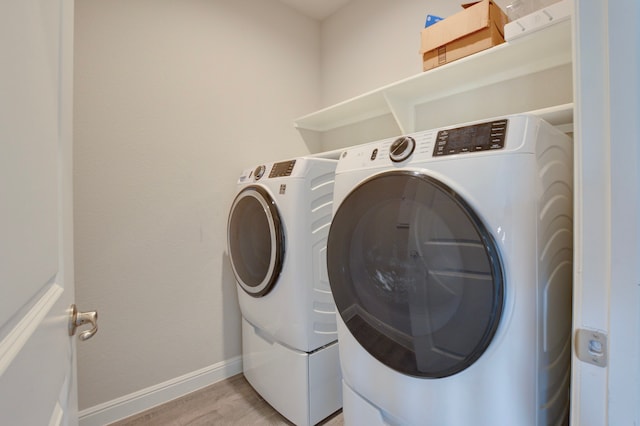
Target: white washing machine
277,233
450,262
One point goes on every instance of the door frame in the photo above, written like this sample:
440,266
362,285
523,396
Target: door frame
607,206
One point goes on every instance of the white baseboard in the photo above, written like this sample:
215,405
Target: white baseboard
150,397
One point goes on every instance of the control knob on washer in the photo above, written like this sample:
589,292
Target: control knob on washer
402,148
259,172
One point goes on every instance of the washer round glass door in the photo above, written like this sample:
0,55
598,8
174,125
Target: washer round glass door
256,241
415,274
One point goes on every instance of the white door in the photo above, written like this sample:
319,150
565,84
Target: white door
37,356
606,375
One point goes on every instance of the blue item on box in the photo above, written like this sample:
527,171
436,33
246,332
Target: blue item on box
432,19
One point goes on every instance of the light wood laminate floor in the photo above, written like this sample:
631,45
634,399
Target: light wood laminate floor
229,402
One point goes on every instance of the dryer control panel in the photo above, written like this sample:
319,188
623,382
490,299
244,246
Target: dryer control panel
282,169
473,138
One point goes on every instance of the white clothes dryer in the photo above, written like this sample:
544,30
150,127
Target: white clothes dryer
450,262
277,232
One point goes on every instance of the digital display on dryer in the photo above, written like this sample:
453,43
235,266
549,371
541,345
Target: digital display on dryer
282,169
474,138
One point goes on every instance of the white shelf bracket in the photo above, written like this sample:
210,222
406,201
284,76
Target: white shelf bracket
403,112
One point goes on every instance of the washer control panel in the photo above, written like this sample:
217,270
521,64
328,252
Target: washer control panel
282,169
473,138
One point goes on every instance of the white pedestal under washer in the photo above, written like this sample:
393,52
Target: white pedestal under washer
450,261
277,231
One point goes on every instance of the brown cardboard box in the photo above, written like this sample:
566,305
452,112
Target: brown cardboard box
479,26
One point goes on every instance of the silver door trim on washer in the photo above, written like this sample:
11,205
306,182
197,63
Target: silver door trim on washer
415,273
244,245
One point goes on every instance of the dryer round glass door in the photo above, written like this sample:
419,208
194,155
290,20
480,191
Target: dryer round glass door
415,274
255,240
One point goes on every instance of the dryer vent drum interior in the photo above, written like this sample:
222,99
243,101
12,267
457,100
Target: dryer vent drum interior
415,274
256,241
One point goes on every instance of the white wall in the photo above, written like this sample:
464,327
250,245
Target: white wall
371,43
172,100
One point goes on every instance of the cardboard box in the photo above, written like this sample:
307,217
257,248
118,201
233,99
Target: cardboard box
479,26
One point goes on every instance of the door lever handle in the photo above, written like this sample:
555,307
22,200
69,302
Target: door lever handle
77,319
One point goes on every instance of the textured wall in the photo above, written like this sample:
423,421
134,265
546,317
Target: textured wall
172,100
372,43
